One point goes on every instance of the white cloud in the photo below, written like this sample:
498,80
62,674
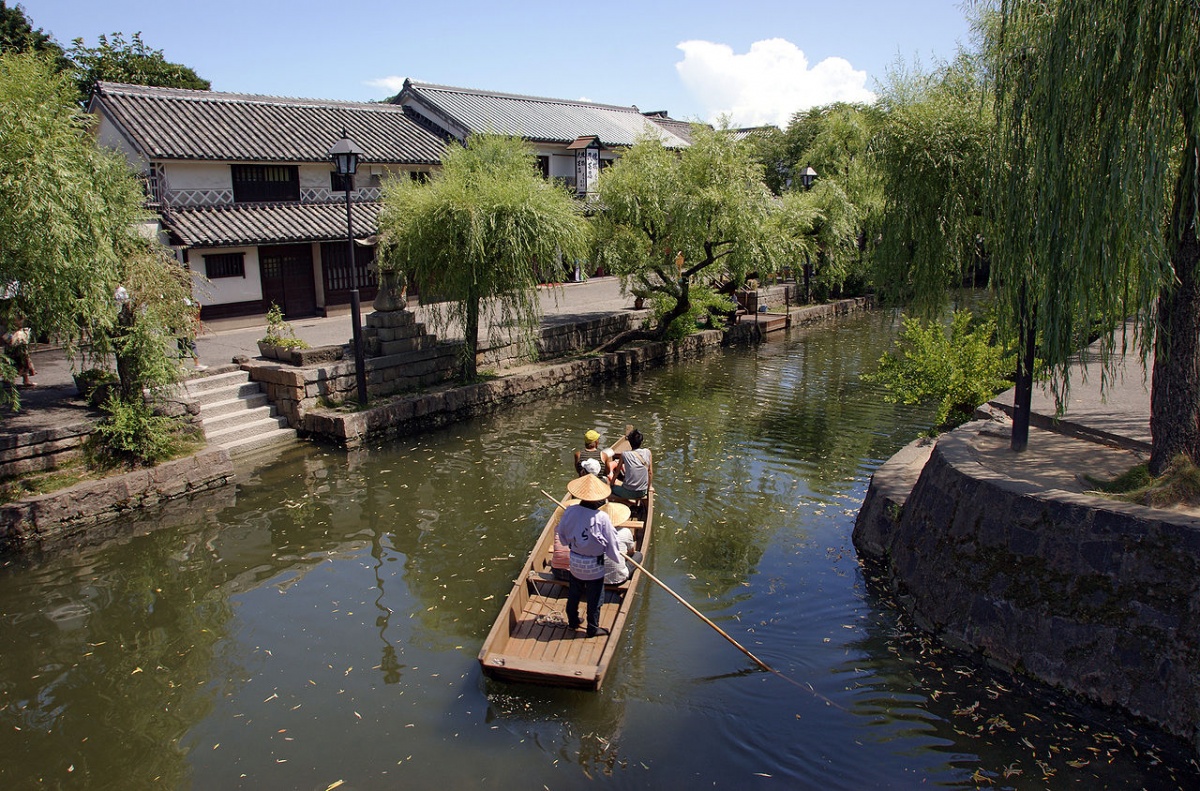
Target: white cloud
392,85
767,84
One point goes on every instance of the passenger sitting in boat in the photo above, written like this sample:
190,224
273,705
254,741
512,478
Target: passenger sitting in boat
588,534
635,470
599,460
617,573
560,561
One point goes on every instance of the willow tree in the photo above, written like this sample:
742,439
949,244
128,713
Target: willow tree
1100,143
671,220
477,235
68,210
931,151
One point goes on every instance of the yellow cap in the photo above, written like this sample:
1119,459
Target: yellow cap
592,435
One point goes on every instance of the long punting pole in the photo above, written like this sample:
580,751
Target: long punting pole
716,628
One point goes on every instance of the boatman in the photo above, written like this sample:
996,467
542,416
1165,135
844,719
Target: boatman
590,536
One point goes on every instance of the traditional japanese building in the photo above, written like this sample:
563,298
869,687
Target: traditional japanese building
245,193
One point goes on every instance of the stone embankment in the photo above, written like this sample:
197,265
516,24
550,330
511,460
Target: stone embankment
97,502
1004,555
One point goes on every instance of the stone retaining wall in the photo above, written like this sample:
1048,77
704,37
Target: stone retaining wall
421,412
1097,597
43,449
89,503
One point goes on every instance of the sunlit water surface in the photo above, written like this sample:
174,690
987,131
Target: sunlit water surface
319,622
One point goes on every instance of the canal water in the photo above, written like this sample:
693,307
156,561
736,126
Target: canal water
317,625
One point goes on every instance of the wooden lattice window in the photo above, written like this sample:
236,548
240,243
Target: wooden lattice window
261,183
338,275
225,265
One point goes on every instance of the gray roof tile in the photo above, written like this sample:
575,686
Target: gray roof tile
180,124
269,223
537,118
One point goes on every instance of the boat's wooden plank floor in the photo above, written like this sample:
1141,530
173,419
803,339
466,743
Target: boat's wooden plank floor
541,632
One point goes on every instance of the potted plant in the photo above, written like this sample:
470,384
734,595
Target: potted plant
280,341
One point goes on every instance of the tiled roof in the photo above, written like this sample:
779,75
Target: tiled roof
534,118
269,223
180,124
681,129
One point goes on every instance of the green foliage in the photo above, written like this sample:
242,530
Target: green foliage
478,233
117,60
1096,187
129,435
932,155
704,302
961,368
706,203
280,332
68,211
18,35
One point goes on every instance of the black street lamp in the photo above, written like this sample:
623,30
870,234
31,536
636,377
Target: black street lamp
807,176
345,155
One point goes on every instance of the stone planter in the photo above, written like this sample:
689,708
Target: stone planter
292,355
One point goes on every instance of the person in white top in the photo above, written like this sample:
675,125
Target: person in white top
588,533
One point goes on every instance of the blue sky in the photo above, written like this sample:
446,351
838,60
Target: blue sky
757,61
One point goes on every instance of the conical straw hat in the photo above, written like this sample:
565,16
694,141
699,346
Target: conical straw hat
589,488
617,512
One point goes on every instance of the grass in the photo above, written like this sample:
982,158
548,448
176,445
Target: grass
1179,485
32,484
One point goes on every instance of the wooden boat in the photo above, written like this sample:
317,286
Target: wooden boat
530,641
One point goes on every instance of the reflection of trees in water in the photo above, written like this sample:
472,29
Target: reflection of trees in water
109,659
738,462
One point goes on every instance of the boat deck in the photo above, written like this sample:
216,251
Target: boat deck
535,643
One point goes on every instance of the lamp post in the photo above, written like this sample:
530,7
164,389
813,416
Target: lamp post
807,176
345,155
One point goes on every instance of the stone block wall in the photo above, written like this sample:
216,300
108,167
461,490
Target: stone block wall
1097,597
423,411
90,503
42,449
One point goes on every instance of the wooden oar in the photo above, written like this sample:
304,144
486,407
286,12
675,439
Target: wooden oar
719,630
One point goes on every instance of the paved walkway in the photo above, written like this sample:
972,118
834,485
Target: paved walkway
1104,429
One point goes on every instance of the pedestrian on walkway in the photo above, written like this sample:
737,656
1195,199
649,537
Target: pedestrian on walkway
16,346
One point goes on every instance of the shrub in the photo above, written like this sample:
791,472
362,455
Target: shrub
129,435
279,332
960,368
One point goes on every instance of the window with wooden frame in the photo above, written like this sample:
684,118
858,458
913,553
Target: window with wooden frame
225,265
338,276
263,183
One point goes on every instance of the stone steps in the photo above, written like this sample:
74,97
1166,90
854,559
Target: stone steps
235,413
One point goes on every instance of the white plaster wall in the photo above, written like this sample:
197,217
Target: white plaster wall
223,290
108,136
317,176
198,175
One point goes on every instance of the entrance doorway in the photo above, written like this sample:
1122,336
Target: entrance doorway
287,279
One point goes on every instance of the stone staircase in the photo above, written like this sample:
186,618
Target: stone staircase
235,413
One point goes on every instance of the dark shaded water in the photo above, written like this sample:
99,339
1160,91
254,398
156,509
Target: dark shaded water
319,622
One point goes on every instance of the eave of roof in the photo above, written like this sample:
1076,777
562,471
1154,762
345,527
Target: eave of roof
535,118
181,124
269,223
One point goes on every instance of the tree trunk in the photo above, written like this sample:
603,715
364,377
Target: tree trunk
1175,393
471,337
